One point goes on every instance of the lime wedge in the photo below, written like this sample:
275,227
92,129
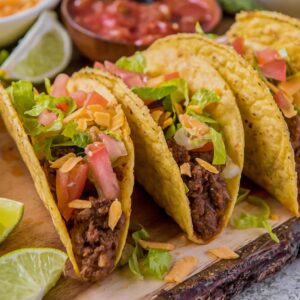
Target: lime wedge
45,51
30,273
11,213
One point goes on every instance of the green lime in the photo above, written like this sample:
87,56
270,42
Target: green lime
11,213
30,273
45,51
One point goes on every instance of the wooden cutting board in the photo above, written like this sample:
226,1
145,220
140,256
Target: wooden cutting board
36,230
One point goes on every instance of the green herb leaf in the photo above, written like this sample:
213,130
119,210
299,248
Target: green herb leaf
4,54
156,263
203,97
243,194
135,63
149,93
219,147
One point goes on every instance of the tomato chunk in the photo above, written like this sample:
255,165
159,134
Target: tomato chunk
95,98
62,106
101,168
59,87
284,104
275,69
239,45
69,186
98,65
172,76
47,117
267,55
79,97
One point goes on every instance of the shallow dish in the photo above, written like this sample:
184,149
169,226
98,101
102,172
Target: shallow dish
14,26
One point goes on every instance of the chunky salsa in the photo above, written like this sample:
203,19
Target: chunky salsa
141,23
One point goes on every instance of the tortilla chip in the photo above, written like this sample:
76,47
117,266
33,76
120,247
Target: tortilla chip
269,156
15,128
262,29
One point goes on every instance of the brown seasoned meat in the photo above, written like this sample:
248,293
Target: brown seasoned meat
61,151
207,194
294,128
94,243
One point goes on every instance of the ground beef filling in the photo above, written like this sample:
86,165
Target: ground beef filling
94,243
294,128
207,194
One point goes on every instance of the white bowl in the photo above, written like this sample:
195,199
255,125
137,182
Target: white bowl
288,7
14,26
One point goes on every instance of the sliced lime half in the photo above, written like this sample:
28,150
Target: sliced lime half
11,213
30,273
45,51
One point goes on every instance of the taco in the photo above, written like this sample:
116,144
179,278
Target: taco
270,42
269,156
76,143
188,137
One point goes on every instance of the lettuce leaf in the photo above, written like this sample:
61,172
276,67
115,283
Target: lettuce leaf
243,194
204,118
149,93
203,97
181,92
135,63
170,132
198,28
219,147
79,139
145,263
244,219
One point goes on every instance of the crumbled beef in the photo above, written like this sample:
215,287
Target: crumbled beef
207,194
58,152
94,243
294,128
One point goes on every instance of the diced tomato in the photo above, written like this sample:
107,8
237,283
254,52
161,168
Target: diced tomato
79,97
114,148
59,87
267,55
284,104
69,186
275,69
98,65
131,79
62,106
94,98
172,76
47,117
101,168
207,147
239,45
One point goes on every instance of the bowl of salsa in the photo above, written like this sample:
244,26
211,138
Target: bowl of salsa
107,29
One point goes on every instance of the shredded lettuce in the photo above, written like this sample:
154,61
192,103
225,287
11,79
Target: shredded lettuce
149,93
4,54
203,97
243,194
204,118
48,86
243,220
181,92
219,147
145,263
198,28
170,132
135,63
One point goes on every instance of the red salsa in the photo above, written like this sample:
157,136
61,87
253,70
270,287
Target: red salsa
141,23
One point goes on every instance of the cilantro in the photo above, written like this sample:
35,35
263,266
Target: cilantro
135,63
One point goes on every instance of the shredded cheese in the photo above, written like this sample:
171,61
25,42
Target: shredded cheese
223,253
95,108
156,114
59,162
181,269
70,164
114,214
274,217
167,123
80,113
155,245
207,166
102,119
117,121
185,169
81,124
80,204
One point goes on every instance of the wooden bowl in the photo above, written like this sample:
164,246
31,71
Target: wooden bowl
91,44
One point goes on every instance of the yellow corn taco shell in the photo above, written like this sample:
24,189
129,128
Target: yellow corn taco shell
261,29
269,156
85,81
155,167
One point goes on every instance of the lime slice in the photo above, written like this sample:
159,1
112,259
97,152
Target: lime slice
30,273
45,51
11,213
